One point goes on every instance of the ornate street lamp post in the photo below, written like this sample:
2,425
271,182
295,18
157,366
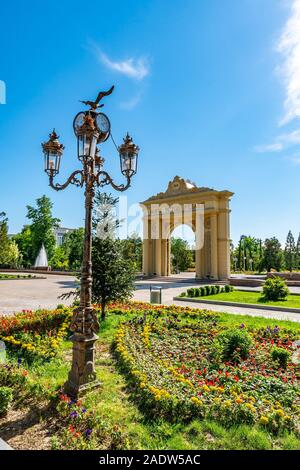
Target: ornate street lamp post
91,128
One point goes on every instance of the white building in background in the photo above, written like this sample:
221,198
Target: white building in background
60,234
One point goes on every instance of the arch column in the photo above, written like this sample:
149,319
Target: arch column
214,246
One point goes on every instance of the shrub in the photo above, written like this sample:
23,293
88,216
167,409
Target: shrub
222,290
6,397
208,290
275,289
202,291
183,294
190,292
217,289
213,290
197,292
227,288
236,344
281,355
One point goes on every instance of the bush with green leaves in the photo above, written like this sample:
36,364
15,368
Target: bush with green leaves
6,397
208,290
275,289
280,355
236,344
228,288
190,292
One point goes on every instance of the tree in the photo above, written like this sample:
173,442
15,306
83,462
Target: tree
290,252
132,248
182,256
9,252
113,276
105,221
60,259
12,255
272,254
249,248
4,240
297,261
25,246
42,227
73,247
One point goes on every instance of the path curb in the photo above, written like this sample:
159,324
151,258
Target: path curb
238,304
4,445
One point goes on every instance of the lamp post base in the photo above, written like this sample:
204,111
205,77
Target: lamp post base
82,376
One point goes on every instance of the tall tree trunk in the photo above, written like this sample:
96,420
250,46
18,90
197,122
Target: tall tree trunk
103,315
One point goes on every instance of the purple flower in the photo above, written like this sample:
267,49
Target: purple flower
83,410
88,433
74,414
242,325
19,361
276,329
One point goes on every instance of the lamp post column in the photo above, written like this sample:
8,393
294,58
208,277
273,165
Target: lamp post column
85,325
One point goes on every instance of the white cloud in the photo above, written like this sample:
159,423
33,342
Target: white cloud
282,142
289,47
137,68
276,147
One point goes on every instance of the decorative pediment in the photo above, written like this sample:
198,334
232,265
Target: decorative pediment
180,186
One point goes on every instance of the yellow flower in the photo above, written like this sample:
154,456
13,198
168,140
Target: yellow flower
264,420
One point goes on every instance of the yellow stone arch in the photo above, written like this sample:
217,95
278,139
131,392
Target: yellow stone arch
205,210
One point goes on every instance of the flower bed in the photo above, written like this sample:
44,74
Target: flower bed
173,358
30,334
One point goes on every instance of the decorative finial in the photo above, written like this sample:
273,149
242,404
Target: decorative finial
95,104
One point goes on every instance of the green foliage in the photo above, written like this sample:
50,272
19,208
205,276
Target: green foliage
132,249
290,252
25,245
274,289
236,344
249,248
190,292
42,227
272,255
6,397
113,276
281,355
60,259
73,247
9,252
182,257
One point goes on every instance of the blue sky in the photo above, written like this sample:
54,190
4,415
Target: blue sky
210,90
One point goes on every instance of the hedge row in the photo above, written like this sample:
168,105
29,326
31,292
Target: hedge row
206,290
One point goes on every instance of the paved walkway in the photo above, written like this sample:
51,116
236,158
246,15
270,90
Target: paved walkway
32,294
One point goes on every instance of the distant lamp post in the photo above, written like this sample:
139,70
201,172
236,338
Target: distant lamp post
91,128
251,264
235,263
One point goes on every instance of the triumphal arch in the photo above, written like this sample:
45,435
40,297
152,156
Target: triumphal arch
206,211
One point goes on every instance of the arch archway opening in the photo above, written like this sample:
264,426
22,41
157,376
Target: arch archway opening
182,251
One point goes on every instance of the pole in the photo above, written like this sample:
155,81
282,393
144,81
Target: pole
82,376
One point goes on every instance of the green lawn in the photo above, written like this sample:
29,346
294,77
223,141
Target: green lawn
293,301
